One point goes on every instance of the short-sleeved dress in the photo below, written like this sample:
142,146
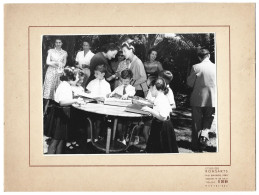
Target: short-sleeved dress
162,137
58,123
52,76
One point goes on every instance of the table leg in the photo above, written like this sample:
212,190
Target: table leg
108,140
114,128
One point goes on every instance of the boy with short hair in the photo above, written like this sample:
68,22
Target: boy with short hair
98,87
125,89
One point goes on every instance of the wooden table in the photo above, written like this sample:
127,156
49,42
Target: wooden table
114,112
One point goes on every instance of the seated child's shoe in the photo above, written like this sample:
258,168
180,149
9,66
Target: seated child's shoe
75,144
88,140
69,145
136,141
95,140
124,141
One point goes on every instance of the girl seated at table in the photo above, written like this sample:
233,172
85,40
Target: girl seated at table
59,124
77,118
100,88
125,89
162,136
77,87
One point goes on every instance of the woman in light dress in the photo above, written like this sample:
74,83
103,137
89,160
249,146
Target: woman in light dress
56,61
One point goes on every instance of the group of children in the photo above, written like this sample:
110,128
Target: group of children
159,133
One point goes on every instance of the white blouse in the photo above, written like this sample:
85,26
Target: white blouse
99,88
169,95
84,59
63,92
77,89
162,106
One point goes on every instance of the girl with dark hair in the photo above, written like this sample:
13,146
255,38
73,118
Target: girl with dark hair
108,52
56,60
58,122
137,68
152,66
162,136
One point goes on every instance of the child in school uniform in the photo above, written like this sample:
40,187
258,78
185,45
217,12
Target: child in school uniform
59,127
168,77
100,88
125,89
162,136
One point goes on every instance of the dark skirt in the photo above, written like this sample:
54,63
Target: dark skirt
162,137
57,123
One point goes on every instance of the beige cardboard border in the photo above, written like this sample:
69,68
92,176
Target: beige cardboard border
26,169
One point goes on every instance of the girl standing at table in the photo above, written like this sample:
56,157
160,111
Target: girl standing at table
59,118
162,136
56,60
137,68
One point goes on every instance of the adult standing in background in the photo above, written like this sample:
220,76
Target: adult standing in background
83,59
108,52
139,80
56,61
152,66
203,81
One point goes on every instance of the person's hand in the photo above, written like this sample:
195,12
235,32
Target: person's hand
109,95
147,109
79,101
124,97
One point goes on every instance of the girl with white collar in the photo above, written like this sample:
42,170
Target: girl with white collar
162,137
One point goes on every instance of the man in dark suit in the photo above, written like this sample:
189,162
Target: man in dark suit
203,81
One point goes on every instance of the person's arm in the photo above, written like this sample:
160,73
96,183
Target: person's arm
159,67
154,113
111,77
68,102
142,75
64,60
191,78
49,62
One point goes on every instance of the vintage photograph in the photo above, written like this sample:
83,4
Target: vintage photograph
129,93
